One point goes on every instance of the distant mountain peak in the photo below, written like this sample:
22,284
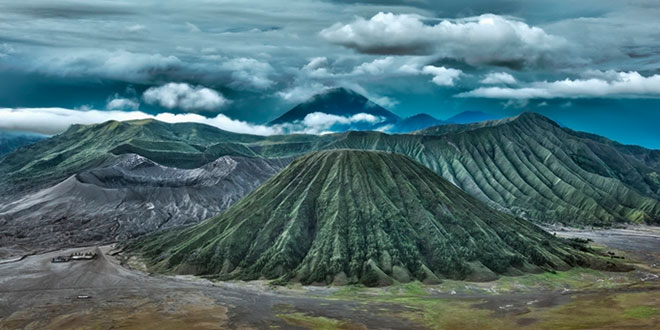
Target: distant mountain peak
415,122
337,101
337,91
525,118
529,115
421,116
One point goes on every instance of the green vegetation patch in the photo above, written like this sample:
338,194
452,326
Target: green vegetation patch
602,310
318,322
452,314
641,312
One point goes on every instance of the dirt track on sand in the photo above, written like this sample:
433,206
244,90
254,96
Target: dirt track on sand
38,294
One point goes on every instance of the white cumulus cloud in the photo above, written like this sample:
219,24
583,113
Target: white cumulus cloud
321,123
442,76
376,67
494,78
121,65
321,119
485,39
56,120
302,93
604,85
122,103
51,121
249,73
184,96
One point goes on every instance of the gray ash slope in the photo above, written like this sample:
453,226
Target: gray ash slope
126,197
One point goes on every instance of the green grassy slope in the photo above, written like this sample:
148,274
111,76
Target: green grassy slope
81,147
534,167
348,216
526,165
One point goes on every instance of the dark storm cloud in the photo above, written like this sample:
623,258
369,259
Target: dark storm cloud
68,10
448,8
202,41
286,34
204,35
25,41
267,55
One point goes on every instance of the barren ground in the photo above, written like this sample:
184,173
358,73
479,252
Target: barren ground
38,294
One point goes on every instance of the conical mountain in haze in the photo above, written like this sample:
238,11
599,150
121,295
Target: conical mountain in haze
359,217
339,102
416,122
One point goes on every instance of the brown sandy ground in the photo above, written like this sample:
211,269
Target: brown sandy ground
37,294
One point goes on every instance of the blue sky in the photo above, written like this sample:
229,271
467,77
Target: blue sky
592,65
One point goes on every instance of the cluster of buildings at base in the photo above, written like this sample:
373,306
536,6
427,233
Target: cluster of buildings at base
75,256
